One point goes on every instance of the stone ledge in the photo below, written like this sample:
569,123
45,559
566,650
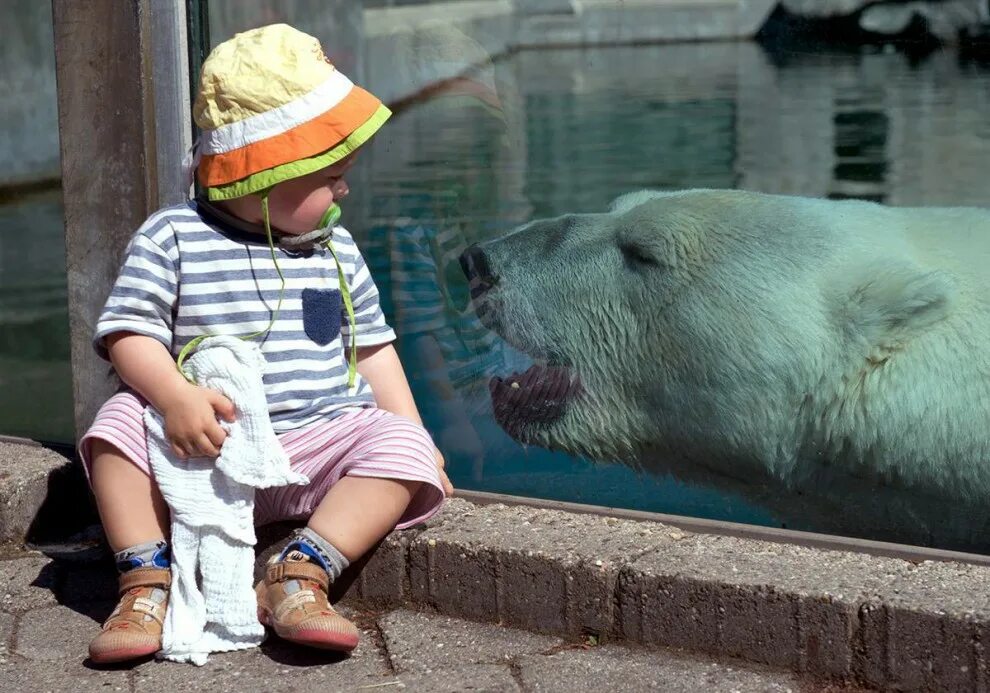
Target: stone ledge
35,484
839,615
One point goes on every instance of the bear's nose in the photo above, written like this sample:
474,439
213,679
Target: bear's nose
477,270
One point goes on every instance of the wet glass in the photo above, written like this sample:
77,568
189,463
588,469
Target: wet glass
607,358
567,354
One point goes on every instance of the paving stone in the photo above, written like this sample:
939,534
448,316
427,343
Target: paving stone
382,579
248,671
6,632
883,621
930,627
273,667
419,642
86,583
788,568
57,677
480,677
954,589
276,665
613,668
58,632
930,652
307,670
455,579
27,583
88,545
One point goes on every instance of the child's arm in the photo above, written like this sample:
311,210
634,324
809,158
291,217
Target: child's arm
380,366
189,410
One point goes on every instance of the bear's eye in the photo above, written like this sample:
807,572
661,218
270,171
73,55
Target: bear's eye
637,255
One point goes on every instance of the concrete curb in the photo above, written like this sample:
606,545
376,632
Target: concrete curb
35,484
884,622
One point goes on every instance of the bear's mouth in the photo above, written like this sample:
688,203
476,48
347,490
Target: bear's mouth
523,403
537,397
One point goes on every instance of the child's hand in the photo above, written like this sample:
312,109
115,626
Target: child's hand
191,421
448,488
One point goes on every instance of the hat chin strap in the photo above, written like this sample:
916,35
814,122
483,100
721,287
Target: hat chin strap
306,241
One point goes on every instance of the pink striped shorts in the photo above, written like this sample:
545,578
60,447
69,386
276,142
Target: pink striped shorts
365,442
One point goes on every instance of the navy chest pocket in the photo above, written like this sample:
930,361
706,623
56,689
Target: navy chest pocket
321,314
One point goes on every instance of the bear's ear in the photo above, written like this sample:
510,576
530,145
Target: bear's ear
892,304
623,203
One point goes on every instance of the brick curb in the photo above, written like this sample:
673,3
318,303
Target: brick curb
884,622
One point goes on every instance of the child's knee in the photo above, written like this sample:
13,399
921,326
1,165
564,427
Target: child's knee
103,451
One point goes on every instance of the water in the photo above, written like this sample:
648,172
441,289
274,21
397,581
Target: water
35,380
28,114
576,128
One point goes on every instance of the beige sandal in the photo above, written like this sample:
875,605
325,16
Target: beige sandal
134,629
292,600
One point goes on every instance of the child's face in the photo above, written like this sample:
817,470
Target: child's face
297,205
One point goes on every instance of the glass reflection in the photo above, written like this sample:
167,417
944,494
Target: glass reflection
715,390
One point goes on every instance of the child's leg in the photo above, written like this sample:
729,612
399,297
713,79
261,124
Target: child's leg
369,472
358,511
132,510
136,521
352,517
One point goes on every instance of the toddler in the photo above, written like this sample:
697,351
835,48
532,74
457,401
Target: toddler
258,256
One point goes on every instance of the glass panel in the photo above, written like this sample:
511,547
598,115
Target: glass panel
35,382
777,360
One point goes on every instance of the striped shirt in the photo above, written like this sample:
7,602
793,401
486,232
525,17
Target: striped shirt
185,275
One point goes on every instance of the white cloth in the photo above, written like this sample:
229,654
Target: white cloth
212,506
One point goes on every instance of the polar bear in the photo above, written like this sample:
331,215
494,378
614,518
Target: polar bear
828,359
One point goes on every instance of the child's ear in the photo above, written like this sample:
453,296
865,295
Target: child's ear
892,304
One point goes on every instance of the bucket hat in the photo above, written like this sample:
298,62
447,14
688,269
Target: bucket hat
271,107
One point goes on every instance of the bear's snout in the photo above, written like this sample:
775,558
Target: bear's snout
479,273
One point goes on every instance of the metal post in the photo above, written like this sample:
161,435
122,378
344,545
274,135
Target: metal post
122,79
170,88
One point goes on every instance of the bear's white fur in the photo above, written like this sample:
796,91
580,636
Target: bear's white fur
827,359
